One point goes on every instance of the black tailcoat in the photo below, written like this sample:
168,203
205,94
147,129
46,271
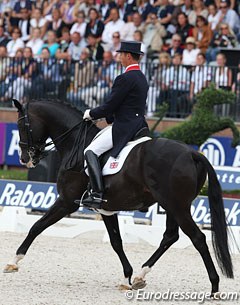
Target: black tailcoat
125,107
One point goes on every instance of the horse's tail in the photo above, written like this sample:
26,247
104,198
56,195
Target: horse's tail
218,218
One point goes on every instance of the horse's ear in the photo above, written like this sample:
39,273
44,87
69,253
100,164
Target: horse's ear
17,104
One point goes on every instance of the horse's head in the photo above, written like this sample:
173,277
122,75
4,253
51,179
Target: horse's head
33,136
211,96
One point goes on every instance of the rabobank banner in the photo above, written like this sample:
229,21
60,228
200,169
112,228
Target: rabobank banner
201,213
34,195
41,196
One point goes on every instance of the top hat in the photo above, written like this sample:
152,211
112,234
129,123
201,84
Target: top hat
131,47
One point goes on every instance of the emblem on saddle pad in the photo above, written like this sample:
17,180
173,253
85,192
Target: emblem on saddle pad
114,165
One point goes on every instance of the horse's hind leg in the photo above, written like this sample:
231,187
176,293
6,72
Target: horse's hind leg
111,223
170,236
54,214
198,239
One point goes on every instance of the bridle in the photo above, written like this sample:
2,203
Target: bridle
37,151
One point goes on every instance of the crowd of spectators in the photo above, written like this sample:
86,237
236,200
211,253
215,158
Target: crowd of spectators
41,36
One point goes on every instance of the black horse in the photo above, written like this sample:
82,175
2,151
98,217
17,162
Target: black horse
158,170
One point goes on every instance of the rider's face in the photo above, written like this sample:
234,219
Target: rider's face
124,59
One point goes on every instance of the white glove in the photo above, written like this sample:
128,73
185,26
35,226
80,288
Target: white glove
86,115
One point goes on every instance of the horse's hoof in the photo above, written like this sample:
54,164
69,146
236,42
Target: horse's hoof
216,296
10,268
123,287
138,283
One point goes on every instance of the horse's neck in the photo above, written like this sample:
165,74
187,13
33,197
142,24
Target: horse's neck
61,118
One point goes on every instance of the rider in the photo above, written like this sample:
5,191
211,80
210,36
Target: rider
125,108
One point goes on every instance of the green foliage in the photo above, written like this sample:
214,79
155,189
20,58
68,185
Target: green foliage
204,122
204,191
211,96
13,174
231,192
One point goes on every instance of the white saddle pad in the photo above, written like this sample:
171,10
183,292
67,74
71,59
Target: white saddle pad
114,165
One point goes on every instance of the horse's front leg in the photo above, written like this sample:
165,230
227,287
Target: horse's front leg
228,123
111,223
54,214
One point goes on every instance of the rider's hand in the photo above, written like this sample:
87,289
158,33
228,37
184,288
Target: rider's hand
86,115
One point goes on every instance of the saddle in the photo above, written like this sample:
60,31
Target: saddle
144,132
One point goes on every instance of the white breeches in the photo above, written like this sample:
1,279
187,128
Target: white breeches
102,143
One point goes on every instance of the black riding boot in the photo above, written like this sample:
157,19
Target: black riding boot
94,199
